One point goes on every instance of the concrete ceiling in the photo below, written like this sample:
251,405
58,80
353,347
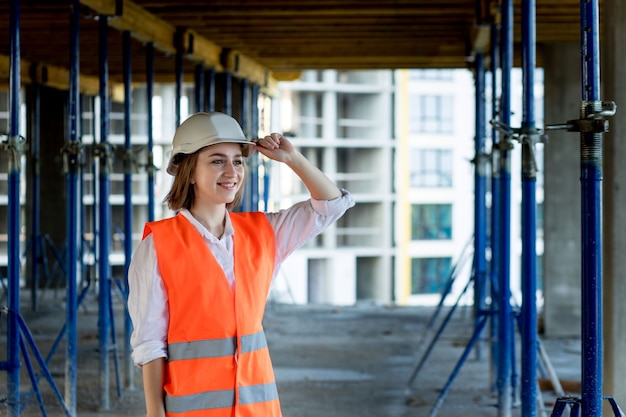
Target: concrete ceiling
269,39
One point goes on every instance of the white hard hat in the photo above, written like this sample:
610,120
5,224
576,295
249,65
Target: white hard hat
204,129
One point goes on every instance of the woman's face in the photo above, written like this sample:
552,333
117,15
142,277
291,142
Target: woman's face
219,174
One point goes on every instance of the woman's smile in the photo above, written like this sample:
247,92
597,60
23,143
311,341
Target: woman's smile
228,185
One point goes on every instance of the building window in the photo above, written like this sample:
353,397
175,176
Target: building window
429,275
431,168
430,114
431,221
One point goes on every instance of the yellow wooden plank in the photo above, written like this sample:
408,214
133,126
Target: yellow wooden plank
202,50
54,77
244,67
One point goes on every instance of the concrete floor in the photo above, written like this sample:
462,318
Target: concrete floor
329,361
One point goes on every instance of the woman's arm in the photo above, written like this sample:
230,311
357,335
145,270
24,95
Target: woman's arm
153,387
147,306
278,148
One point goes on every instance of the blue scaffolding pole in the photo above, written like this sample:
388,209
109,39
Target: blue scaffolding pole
199,87
254,132
249,124
73,239
529,137
150,116
13,364
228,93
480,191
244,99
210,89
245,125
104,210
495,204
178,73
505,318
591,214
129,161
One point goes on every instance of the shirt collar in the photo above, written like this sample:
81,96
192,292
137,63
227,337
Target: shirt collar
228,227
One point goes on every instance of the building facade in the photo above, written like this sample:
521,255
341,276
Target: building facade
437,116
344,123
403,143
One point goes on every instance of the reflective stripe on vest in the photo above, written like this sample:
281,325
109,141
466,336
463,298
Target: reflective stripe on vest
215,347
203,401
221,399
258,393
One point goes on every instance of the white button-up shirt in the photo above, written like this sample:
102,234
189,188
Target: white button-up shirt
147,298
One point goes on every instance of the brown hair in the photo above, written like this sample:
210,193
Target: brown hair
181,194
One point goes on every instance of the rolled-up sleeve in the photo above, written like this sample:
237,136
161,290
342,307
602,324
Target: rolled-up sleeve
147,305
333,209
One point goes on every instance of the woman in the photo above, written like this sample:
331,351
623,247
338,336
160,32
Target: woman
199,280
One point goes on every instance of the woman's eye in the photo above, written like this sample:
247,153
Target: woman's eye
238,162
218,161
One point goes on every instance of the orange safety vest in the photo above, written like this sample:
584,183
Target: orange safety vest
218,361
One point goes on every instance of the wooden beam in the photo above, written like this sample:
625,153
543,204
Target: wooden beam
202,50
54,77
243,67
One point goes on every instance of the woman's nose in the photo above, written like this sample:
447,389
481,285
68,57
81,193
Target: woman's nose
230,169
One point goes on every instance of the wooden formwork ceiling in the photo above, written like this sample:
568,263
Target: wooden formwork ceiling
265,40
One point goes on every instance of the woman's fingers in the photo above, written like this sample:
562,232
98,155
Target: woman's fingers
270,141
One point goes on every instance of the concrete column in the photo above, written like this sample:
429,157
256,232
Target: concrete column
562,232
613,58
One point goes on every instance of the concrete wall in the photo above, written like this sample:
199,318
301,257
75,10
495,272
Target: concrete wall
562,233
